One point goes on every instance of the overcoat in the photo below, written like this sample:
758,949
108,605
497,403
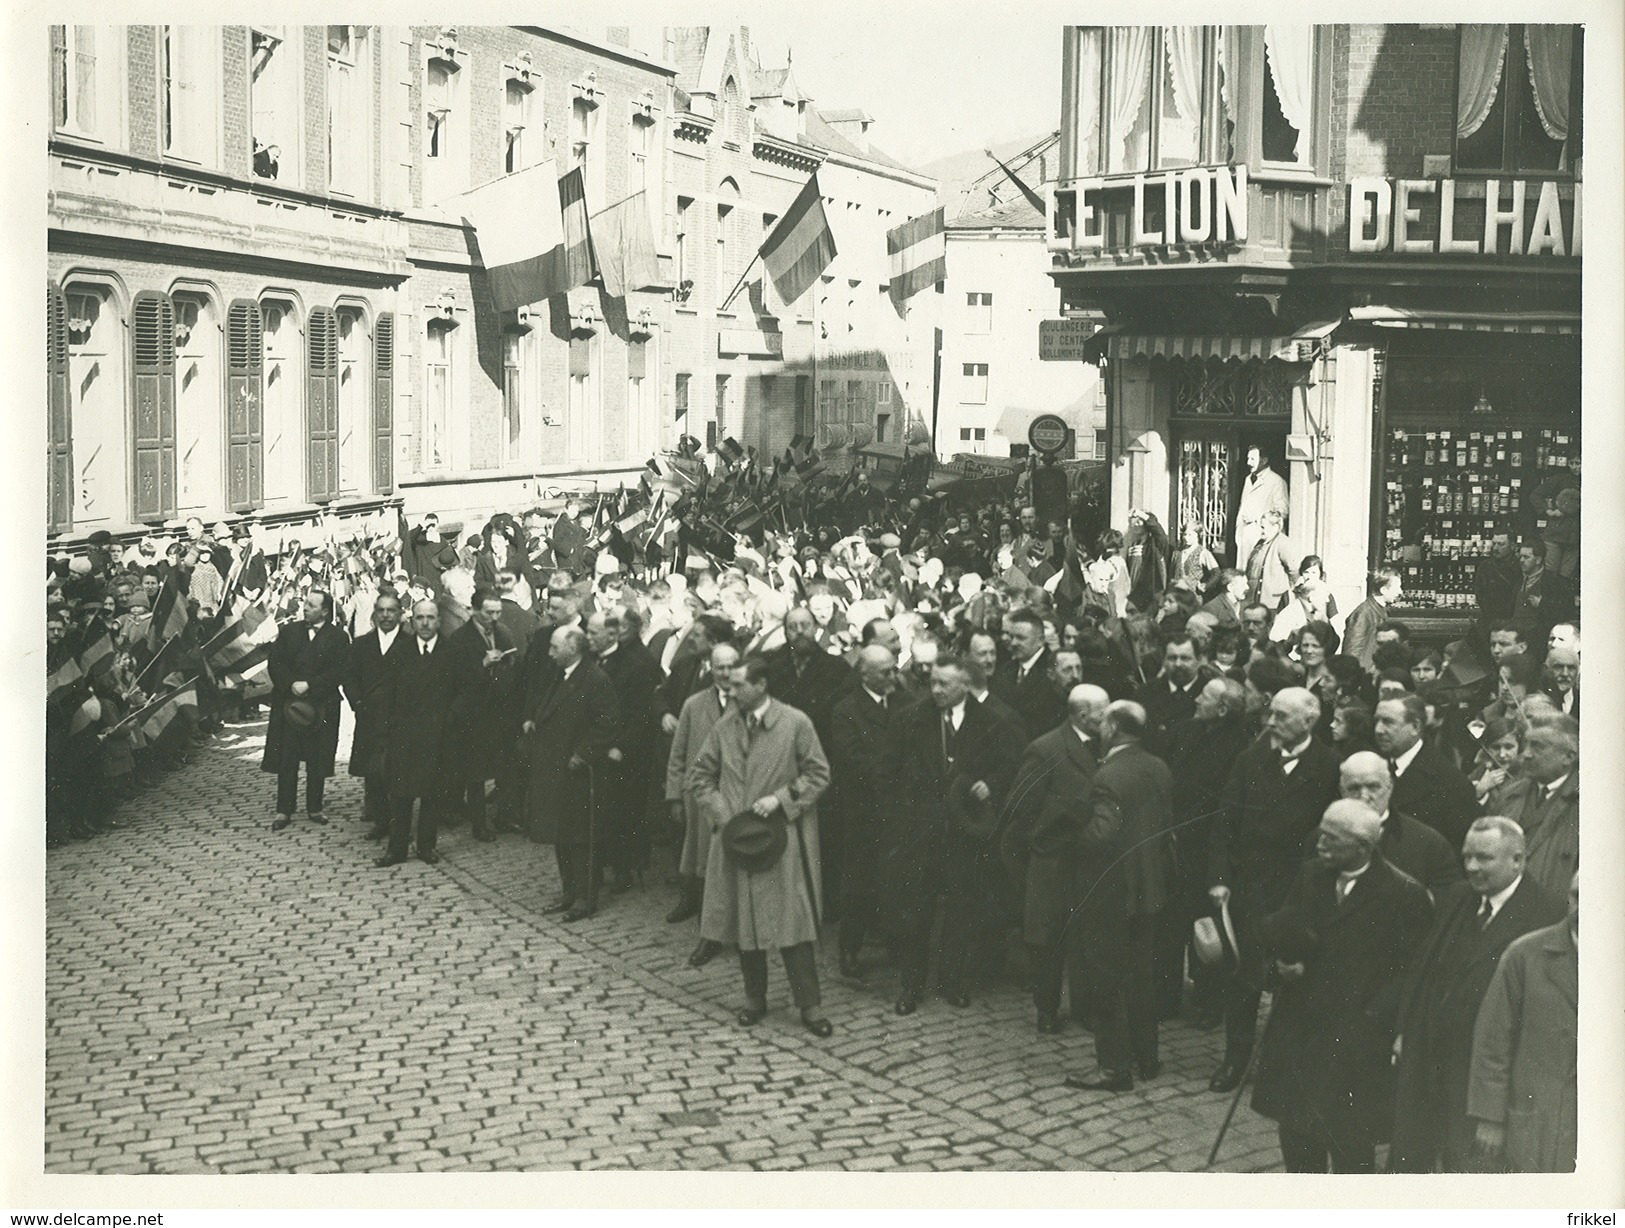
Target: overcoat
779,906
700,713
1126,857
423,690
1525,1051
862,759
1033,697
575,716
1325,1066
1551,828
366,686
1443,991
319,658
482,724
1432,790
1055,771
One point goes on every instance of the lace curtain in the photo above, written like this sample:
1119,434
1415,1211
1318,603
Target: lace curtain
1551,57
1181,141
1130,84
1483,54
1292,65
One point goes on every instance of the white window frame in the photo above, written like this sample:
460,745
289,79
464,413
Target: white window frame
883,392
1100,444
523,128
975,381
584,420
438,430
349,114
588,147
647,122
280,100
189,93
445,126
978,312
108,53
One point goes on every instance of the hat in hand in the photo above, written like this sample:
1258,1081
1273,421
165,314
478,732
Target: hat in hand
1215,941
301,713
754,842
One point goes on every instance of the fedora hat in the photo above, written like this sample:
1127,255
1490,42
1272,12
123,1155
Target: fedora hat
301,713
754,842
1214,945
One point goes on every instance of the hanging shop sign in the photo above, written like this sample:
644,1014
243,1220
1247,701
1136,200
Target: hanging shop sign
1065,340
1451,217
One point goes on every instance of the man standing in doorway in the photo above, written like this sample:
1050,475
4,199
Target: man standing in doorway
1263,491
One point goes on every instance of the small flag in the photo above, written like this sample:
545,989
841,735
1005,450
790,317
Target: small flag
96,658
530,246
63,677
237,639
625,246
169,616
919,255
87,714
801,245
1033,198
181,700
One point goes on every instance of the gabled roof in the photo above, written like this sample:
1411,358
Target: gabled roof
820,135
850,115
1014,214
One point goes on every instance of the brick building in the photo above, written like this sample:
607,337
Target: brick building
1355,247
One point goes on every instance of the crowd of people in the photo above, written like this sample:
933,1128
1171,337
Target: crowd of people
982,744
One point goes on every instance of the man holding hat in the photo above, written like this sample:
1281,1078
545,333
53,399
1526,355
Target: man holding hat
756,782
307,665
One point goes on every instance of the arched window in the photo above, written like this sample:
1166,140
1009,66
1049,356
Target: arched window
284,402
199,412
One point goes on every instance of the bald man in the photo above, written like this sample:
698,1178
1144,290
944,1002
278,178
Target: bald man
1338,949
1277,792
1405,844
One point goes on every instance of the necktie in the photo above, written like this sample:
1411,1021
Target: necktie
1344,886
948,737
1485,912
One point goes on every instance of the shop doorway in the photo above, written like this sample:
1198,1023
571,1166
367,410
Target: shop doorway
1210,470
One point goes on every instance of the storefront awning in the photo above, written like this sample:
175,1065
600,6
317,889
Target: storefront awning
1299,346
1550,323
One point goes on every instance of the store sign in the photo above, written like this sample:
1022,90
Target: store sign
1047,433
750,341
1064,340
1199,205
1422,217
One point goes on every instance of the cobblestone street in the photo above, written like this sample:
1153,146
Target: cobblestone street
222,999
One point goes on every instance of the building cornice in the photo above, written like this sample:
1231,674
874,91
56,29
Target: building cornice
614,51
785,153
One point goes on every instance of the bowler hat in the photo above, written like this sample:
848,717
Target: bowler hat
301,713
755,842
1215,945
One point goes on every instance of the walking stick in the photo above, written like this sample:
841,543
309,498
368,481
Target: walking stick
592,833
1246,1074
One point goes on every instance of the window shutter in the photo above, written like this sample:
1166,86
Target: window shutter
59,427
321,406
383,403
245,405
153,436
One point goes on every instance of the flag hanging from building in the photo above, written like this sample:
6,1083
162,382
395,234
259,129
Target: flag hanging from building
1032,197
532,232
801,245
625,246
919,256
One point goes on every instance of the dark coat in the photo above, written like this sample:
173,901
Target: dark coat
1415,849
1553,603
1433,791
1041,840
366,686
1034,697
319,659
1165,706
484,720
1439,1008
1124,854
1201,755
863,764
1264,816
1360,631
821,680
575,717
423,692
1324,1069
636,677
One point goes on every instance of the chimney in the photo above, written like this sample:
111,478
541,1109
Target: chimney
618,36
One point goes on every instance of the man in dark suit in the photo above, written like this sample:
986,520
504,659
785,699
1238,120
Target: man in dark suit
307,665
613,637
569,729
1170,697
953,776
1042,839
1472,925
1277,792
1544,598
1023,680
1201,753
1232,595
1427,785
483,725
1366,619
1339,948
1562,680
691,668
1406,844
425,680
520,621
1122,884
863,767
366,687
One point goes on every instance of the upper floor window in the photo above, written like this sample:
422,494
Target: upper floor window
1288,99
974,385
587,148
275,90
86,77
522,139
1148,97
1517,88
978,313
445,136
189,59
349,109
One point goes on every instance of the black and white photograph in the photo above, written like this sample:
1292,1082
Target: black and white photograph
837,591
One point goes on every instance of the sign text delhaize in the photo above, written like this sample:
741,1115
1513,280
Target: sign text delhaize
1199,205
1444,216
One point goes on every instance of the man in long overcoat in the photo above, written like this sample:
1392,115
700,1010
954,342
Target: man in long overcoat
1523,1087
366,686
861,759
1545,802
307,665
1055,772
483,725
425,680
1340,945
569,730
764,756
1473,924
612,636
701,711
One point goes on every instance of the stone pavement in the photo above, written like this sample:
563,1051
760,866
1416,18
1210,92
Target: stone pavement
223,999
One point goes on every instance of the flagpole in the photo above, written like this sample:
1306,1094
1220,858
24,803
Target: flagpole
738,284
